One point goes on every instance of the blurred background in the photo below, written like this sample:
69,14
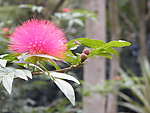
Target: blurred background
108,86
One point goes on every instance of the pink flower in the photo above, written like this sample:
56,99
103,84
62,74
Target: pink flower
116,77
38,37
65,10
5,29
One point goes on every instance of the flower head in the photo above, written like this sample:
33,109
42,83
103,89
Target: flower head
6,32
65,10
116,77
5,29
38,37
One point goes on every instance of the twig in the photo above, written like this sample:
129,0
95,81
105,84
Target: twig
128,22
135,9
57,6
61,70
147,16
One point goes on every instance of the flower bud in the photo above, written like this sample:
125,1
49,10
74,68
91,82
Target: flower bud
86,51
77,43
65,10
116,77
83,57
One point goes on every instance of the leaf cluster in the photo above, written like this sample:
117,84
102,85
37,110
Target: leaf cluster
34,64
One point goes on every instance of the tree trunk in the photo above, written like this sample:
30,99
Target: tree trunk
94,69
139,12
114,63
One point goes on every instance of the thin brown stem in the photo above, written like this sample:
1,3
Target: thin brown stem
61,70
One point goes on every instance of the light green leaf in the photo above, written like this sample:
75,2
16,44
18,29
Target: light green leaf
44,56
70,57
108,47
119,43
3,63
1,56
112,51
54,64
7,74
36,66
67,89
22,73
78,21
86,42
64,76
105,55
28,73
7,82
85,13
11,57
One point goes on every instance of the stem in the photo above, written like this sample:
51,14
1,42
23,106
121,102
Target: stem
44,68
61,70
54,64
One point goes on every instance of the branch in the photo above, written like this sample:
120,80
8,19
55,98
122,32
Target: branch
56,8
128,22
147,16
135,9
61,70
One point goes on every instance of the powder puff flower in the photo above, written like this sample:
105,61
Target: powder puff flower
38,37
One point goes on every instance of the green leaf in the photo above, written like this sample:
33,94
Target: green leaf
77,60
86,42
64,76
54,64
84,12
22,73
33,65
105,55
70,57
3,63
11,57
7,82
44,56
112,51
100,48
119,43
108,47
7,74
67,89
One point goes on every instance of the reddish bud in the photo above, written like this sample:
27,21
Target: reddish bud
86,51
116,77
5,29
83,57
65,10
